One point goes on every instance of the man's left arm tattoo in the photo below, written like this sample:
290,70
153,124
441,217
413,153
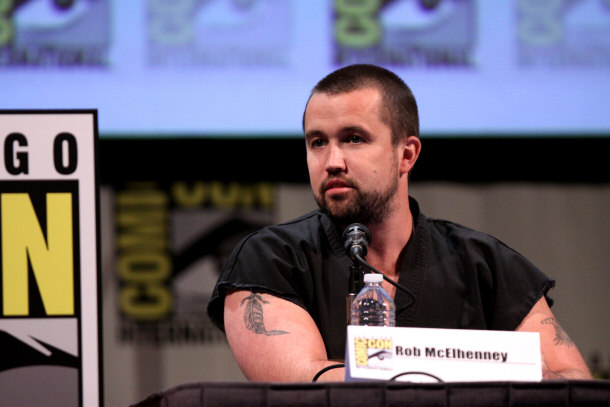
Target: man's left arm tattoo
253,315
561,337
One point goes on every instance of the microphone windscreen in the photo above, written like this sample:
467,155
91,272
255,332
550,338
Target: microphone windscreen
356,237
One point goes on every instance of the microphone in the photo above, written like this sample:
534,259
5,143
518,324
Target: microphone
356,240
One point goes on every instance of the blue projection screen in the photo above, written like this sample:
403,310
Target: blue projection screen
245,67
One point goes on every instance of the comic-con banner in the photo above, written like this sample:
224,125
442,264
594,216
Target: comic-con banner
211,32
49,259
404,33
172,239
573,33
54,33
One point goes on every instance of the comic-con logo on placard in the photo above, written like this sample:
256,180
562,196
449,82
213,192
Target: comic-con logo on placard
404,32
54,32
218,32
373,353
563,32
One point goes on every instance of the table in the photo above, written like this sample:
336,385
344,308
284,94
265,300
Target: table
563,393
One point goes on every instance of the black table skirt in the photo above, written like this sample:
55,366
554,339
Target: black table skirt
384,394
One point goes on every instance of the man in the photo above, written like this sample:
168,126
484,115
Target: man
281,295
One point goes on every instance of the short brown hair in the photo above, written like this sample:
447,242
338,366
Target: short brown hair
399,110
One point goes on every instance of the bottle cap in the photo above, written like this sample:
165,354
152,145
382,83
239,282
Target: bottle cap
373,278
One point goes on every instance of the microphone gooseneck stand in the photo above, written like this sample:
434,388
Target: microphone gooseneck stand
356,276
356,241
356,238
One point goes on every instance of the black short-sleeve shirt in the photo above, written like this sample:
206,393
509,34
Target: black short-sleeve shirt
458,277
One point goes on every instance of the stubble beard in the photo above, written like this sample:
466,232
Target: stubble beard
367,207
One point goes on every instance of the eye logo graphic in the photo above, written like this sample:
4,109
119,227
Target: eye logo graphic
219,32
30,362
563,33
54,32
404,32
164,288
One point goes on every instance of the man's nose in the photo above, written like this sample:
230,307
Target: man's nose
335,161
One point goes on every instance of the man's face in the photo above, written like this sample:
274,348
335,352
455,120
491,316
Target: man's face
353,166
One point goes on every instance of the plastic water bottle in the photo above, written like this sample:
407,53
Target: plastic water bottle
373,306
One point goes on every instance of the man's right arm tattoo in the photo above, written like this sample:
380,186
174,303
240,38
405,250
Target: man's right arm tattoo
561,337
253,315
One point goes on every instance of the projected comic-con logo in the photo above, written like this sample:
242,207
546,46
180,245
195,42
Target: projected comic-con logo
404,32
172,240
563,32
48,306
219,32
54,32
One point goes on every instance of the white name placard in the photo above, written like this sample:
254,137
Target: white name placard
448,355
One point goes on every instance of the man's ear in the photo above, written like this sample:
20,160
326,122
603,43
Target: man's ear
411,146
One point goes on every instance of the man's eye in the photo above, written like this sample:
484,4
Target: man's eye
317,143
355,139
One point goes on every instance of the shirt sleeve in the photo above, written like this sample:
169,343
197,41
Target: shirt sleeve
484,283
262,262
518,286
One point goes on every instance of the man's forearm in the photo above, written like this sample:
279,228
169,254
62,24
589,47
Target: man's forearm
576,374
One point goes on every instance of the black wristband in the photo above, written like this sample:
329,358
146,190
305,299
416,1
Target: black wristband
326,369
